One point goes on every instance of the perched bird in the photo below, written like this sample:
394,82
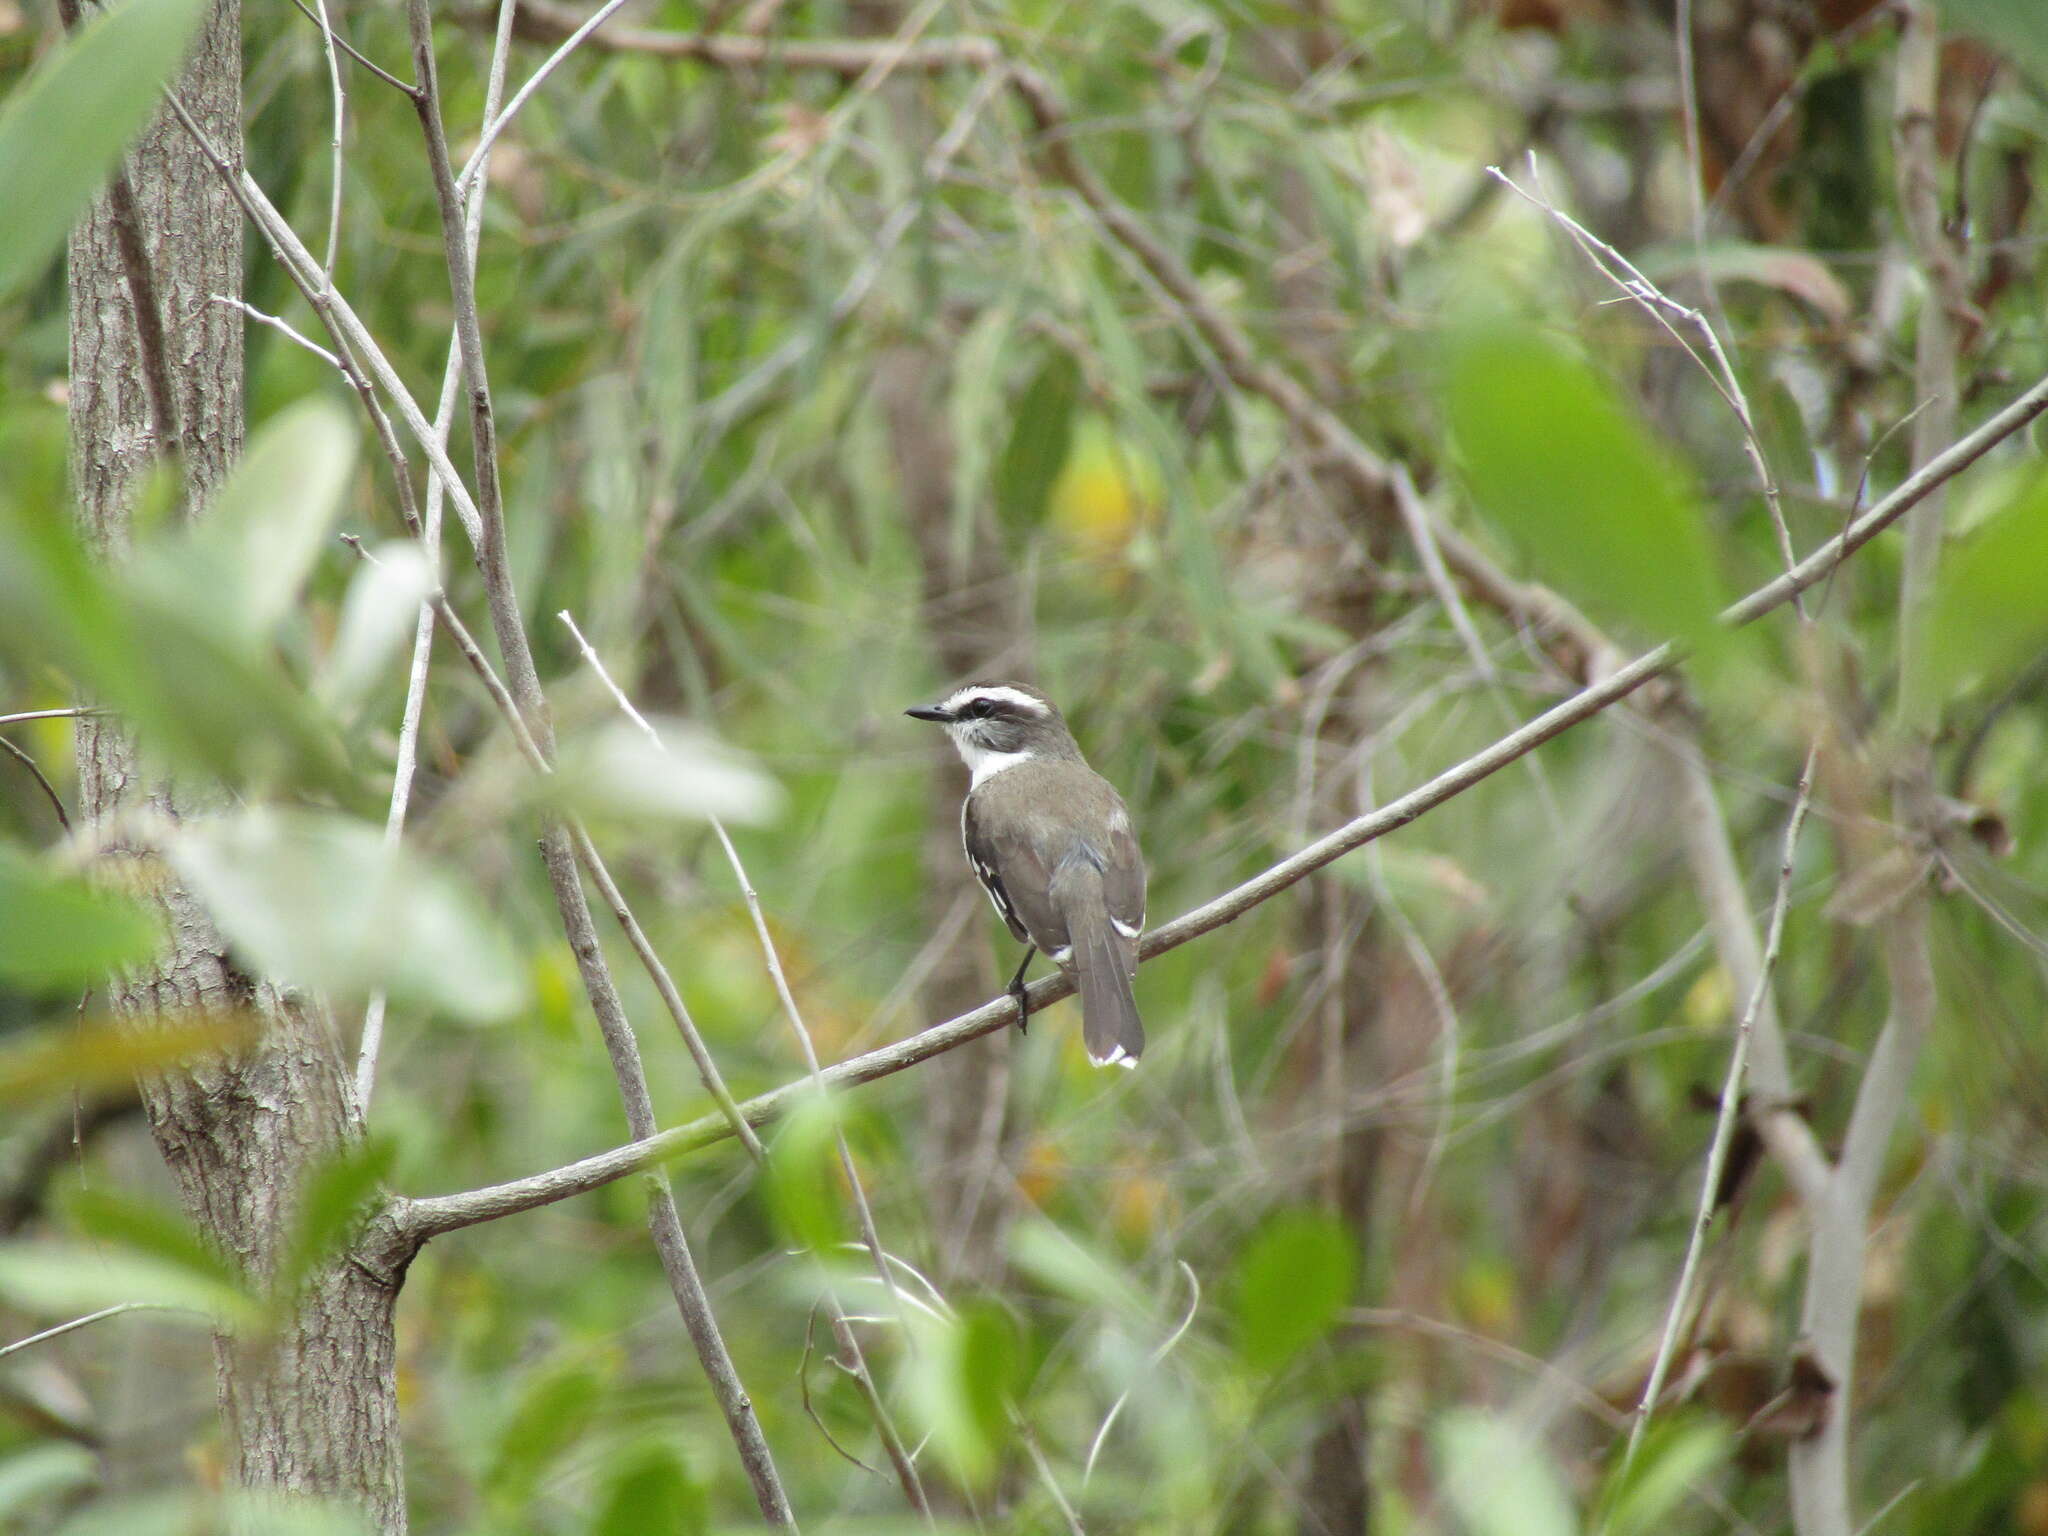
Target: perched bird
1052,844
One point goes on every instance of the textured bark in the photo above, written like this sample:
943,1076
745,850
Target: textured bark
312,1409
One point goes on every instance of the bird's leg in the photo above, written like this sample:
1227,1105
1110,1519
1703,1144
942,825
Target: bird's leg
1016,989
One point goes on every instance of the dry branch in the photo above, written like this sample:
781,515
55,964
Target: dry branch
557,850
543,21
1819,1464
429,1217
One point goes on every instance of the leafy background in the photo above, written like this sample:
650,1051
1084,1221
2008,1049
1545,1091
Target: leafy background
1413,1156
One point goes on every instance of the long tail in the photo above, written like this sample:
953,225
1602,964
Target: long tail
1104,963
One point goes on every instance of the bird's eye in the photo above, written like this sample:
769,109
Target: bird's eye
980,709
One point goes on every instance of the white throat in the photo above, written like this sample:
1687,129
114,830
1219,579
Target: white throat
982,764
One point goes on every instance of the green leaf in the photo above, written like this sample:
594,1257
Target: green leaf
1986,615
268,1513
43,1472
332,1203
1293,1280
803,1177
961,1381
153,650
65,128
2016,28
973,410
380,612
1498,1479
648,1491
1042,428
152,1230
57,933
554,1410
62,1280
196,695
1675,1457
1593,503
103,1055
323,902
269,523
1061,1263
163,1514
614,770
990,1370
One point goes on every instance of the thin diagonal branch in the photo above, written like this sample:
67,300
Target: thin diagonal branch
282,326
445,1213
1724,1123
857,1365
429,1217
337,161
543,21
87,1321
557,850
49,789
334,310
346,47
534,82
1664,309
429,535
1818,1466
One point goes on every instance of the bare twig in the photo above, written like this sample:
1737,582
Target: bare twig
1588,1401
1711,854
276,323
1664,309
346,47
429,535
803,1382
1933,473
1689,122
87,1321
1819,1463
50,714
707,1069
534,82
544,21
337,165
523,682
1046,1476
1158,1357
56,804
334,310
429,1217
857,1367
1416,519
1724,1123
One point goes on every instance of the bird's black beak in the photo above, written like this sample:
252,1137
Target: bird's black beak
928,712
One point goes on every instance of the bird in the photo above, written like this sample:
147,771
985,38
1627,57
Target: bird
1053,846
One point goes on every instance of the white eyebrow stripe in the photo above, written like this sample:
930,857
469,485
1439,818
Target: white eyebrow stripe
1018,697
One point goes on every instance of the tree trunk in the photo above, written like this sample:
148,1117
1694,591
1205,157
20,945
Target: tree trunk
312,1409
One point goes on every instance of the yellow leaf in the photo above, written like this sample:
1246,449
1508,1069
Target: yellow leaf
1107,491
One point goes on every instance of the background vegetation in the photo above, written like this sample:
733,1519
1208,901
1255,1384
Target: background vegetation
823,381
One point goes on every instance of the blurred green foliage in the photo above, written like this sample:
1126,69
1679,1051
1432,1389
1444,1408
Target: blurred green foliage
787,480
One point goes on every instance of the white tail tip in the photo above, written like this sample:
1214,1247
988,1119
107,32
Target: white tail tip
1117,1057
